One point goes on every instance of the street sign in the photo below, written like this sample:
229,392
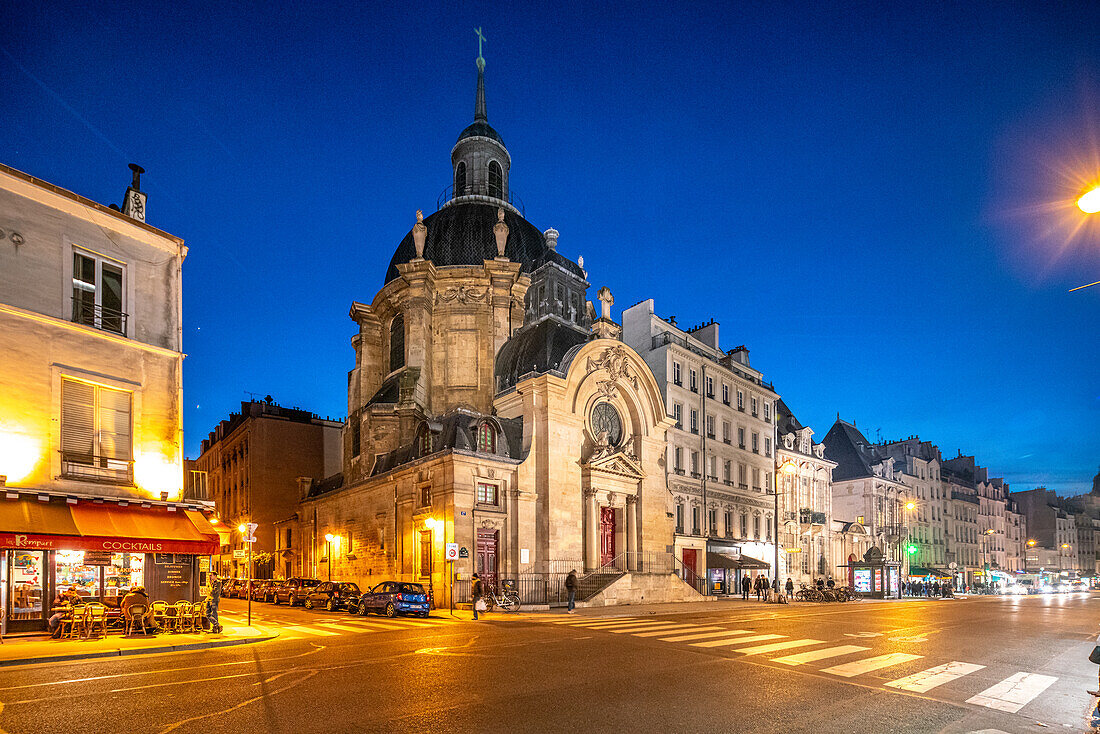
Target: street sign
451,552
251,528
240,553
251,539
463,552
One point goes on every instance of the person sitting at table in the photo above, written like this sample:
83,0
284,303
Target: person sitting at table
137,595
73,595
61,606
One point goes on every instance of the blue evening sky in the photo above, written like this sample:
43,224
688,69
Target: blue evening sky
876,198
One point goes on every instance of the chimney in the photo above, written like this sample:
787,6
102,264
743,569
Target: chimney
133,205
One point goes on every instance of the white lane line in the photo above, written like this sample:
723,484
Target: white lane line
609,625
776,646
310,631
926,680
683,628
738,641
859,667
727,633
829,652
670,626
1014,692
346,628
583,621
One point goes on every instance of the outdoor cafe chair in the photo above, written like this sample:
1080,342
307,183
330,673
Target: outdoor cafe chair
197,614
160,613
74,620
135,615
183,616
95,616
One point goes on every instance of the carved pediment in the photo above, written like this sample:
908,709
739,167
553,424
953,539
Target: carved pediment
618,463
616,362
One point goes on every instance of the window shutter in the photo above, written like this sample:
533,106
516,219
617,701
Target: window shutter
114,424
77,418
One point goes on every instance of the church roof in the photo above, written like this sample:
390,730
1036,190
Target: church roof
538,347
481,128
462,234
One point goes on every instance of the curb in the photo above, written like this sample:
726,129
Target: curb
136,651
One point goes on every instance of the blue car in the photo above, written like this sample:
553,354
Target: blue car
394,597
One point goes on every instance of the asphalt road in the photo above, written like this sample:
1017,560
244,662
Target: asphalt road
1011,664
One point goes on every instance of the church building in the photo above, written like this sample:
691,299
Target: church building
496,422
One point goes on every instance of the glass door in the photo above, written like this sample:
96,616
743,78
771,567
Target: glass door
26,590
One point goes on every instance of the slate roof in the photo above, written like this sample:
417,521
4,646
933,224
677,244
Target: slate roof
326,485
785,420
389,391
462,234
482,128
538,347
853,453
456,430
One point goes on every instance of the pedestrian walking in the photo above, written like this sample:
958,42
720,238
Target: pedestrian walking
475,593
1095,658
571,589
213,599
790,587
936,589
746,586
831,584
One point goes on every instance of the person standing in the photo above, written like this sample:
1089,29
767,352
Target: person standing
1095,658
746,586
571,589
790,587
475,592
212,602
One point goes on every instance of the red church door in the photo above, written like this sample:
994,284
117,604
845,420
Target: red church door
691,556
607,535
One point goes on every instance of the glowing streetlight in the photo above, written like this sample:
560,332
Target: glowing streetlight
1031,544
911,506
330,540
1089,203
1065,546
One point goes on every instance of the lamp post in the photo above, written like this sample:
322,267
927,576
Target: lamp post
788,468
330,539
244,530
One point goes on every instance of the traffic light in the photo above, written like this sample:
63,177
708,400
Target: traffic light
911,549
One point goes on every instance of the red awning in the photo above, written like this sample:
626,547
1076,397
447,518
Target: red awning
104,527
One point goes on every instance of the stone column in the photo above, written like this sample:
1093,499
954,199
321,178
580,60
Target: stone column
591,531
632,532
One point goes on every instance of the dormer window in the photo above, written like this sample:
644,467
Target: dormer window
486,439
460,179
496,180
424,442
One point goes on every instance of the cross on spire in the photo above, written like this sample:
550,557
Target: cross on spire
480,39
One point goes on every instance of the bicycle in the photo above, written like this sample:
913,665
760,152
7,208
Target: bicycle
808,593
507,600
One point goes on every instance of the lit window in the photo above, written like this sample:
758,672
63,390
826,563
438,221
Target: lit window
96,432
488,494
486,439
425,552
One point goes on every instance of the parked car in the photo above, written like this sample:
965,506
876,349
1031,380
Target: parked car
258,587
267,590
294,590
233,589
333,595
394,597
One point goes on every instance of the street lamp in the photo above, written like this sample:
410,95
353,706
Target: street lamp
1089,202
787,467
243,529
330,540
910,549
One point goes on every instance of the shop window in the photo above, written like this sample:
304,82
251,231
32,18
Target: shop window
425,552
488,494
486,439
95,432
26,584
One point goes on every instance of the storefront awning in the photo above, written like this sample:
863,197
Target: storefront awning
922,572
105,527
718,560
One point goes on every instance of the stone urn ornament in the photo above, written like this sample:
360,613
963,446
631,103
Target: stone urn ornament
420,234
500,231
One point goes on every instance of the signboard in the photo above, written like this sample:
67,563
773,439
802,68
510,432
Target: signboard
451,552
863,580
97,558
251,526
29,541
463,552
524,555
240,553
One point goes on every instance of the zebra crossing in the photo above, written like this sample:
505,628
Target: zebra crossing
349,625
1009,695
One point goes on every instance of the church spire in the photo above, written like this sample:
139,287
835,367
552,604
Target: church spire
479,104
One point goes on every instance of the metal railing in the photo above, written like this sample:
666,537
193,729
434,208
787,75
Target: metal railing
91,468
480,187
99,317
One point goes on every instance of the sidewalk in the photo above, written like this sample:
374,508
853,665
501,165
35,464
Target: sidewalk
34,649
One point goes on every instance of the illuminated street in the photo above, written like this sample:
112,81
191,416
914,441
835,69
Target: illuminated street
543,672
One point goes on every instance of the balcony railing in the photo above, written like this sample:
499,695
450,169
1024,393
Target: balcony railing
99,317
89,468
480,188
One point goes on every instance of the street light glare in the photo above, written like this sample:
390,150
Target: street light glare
329,537
1090,202
241,527
911,506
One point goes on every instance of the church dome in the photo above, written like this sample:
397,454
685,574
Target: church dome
461,233
539,347
481,128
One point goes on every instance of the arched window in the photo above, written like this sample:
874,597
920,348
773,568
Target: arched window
424,442
486,439
460,179
397,342
496,180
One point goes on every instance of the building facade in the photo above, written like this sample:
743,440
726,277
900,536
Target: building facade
251,464
90,403
917,466
721,446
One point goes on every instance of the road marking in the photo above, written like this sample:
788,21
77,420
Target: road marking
738,641
774,646
858,667
863,634
829,652
609,625
926,680
346,628
727,633
668,626
1014,692
310,631
598,621
686,628
909,638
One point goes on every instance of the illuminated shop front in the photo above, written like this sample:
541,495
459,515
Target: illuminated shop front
49,544
873,576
